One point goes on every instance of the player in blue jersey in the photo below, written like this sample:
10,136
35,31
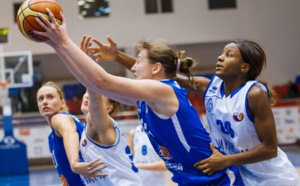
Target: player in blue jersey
255,167
170,121
240,118
65,135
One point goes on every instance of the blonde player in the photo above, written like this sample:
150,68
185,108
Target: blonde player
65,135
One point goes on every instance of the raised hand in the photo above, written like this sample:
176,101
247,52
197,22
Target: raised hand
55,32
89,170
85,44
105,51
212,164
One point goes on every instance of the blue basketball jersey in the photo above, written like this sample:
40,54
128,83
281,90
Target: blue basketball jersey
59,156
181,141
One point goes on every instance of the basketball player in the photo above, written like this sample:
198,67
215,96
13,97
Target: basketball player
239,115
102,139
170,121
152,168
65,136
238,128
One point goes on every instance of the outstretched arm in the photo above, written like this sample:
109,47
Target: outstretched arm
99,123
110,52
260,109
94,77
201,83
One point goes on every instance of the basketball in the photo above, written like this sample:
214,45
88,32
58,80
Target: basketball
28,12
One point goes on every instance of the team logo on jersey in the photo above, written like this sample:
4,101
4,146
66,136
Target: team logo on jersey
209,106
84,142
165,152
64,180
9,140
238,116
213,90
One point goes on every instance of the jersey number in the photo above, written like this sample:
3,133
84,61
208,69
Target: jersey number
226,128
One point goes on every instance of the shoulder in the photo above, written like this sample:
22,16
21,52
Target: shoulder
255,92
256,98
60,118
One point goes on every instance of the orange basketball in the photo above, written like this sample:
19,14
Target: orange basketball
28,12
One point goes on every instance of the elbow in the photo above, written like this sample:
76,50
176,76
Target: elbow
99,83
72,165
274,152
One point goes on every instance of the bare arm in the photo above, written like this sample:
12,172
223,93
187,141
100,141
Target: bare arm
264,123
130,141
125,60
65,128
99,124
155,166
111,52
95,78
201,83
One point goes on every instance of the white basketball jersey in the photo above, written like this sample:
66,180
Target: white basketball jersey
144,153
117,157
232,131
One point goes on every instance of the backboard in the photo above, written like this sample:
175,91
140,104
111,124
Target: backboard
16,67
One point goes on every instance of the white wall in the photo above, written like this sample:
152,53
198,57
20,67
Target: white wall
273,23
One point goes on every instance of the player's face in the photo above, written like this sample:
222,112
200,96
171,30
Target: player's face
85,103
229,62
142,69
49,102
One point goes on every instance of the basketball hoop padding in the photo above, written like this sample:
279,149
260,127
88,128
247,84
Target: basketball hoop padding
12,152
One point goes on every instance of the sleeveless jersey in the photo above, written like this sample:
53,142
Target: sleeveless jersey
144,153
232,131
59,156
181,141
117,157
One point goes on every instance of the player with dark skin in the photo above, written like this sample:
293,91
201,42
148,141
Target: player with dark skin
235,73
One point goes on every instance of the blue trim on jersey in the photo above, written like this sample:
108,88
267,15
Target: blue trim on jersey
59,156
246,99
170,140
204,95
222,92
235,91
246,104
118,132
